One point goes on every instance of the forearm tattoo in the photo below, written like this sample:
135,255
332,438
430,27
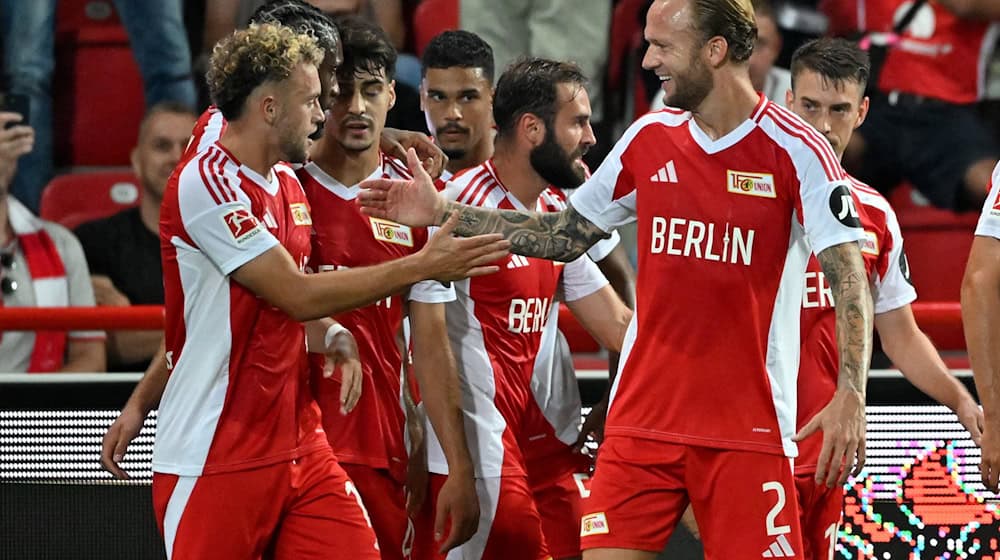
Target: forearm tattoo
560,236
845,272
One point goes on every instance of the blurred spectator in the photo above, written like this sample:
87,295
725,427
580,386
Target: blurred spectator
774,81
570,30
123,251
159,44
223,16
923,126
41,265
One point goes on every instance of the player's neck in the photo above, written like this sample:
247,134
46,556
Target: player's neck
477,155
515,172
347,167
255,151
730,103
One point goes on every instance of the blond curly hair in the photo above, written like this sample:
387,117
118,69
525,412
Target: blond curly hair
249,57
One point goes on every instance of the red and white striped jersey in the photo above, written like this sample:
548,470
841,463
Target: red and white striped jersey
885,262
711,356
495,326
238,395
989,219
207,130
372,434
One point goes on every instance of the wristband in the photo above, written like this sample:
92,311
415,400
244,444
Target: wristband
332,332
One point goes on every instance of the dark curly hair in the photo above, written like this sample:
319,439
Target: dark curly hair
836,60
249,57
459,48
303,18
528,85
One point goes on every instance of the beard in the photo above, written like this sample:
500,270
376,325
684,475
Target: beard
295,150
691,87
552,163
455,153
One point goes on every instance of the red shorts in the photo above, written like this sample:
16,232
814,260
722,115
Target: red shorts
385,500
300,509
559,482
820,511
509,526
744,502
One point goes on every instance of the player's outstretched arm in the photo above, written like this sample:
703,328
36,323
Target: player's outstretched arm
981,319
125,428
914,354
436,372
561,236
843,420
275,277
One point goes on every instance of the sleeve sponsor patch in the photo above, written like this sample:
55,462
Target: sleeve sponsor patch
242,225
843,208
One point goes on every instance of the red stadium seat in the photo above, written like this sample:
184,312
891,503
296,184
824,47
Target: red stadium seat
98,96
76,198
431,18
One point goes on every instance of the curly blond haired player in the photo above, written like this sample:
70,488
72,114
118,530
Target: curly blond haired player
241,464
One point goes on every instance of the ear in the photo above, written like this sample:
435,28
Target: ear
717,50
269,109
133,157
392,95
789,98
862,112
531,128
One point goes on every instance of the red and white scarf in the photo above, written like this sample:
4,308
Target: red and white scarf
48,280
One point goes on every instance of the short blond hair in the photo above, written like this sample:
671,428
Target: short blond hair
252,56
732,20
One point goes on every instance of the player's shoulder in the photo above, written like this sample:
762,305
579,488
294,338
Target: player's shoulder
473,186
394,168
797,138
210,173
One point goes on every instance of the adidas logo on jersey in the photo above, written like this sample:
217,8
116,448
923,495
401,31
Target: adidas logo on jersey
666,174
517,261
780,548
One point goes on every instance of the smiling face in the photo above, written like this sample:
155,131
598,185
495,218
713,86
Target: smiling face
676,55
834,108
162,139
458,104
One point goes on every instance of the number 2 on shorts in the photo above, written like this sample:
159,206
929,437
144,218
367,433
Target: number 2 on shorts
773,529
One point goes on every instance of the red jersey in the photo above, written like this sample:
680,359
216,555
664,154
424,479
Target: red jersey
207,130
495,326
938,55
711,355
885,262
372,434
238,395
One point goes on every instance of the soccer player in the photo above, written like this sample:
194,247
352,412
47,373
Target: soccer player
496,327
828,91
456,95
981,318
241,463
726,187
369,442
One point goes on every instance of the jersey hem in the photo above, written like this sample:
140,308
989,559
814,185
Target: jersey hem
770,449
204,470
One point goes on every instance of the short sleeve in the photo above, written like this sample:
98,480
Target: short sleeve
607,198
989,219
432,291
893,286
216,214
81,291
829,212
581,278
603,248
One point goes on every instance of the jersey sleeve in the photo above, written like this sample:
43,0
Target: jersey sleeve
432,291
607,198
893,288
829,208
603,248
989,219
216,214
581,278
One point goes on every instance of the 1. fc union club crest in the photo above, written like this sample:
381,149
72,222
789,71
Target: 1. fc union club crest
391,232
